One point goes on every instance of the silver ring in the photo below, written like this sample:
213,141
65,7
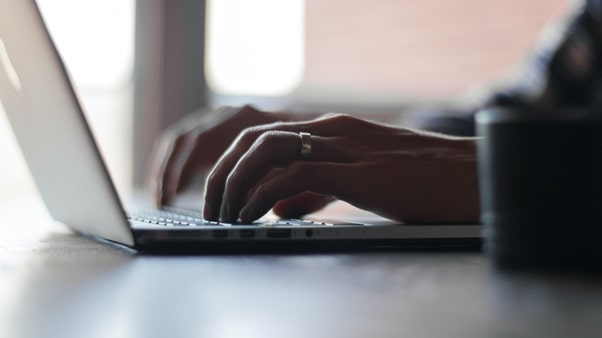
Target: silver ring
305,153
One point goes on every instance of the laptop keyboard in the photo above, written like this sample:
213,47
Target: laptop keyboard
168,216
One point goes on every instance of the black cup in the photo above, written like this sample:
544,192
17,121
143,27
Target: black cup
540,181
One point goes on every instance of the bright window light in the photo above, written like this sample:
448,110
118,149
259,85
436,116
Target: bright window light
255,47
95,38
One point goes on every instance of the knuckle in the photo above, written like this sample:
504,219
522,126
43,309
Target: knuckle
177,141
176,131
211,179
329,116
247,108
235,112
344,118
269,139
336,122
166,143
196,135
180,140
249,135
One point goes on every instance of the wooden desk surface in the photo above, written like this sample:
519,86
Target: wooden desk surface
56,284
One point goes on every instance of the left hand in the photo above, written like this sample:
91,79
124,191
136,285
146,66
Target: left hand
192,146
398,173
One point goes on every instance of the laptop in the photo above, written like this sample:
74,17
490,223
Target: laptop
54,136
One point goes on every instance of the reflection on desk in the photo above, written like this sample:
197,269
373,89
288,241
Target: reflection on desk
56,284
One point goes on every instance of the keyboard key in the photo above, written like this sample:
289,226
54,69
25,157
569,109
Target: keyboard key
168,216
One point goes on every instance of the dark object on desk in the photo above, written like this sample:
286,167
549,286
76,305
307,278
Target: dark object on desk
541,189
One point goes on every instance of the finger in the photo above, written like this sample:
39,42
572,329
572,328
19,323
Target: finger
333,126
168,151
180,152
171,157
206,139
192,162
214,185
216,180
178,170
302,204
272,150
330,179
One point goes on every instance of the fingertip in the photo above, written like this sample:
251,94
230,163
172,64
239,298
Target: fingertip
246,215
208,213
224,215
163,200
159,196
166,196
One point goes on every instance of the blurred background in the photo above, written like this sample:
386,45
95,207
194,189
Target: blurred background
141,65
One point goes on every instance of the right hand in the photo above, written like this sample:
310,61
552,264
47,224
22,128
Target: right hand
192,146
398,173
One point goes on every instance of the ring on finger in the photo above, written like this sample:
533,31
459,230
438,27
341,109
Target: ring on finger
305,153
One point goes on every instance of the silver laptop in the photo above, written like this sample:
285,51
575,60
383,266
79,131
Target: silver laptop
52,131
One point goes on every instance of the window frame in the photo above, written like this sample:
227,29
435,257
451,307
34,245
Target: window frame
169,71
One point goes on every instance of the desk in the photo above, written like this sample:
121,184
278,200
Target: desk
56,284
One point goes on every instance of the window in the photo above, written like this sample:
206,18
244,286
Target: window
401,50
255,47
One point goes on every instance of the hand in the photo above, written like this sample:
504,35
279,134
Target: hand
398,173
191,147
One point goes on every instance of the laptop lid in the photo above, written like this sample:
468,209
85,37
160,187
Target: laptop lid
51,129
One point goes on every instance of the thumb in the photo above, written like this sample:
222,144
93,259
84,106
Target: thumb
301,204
